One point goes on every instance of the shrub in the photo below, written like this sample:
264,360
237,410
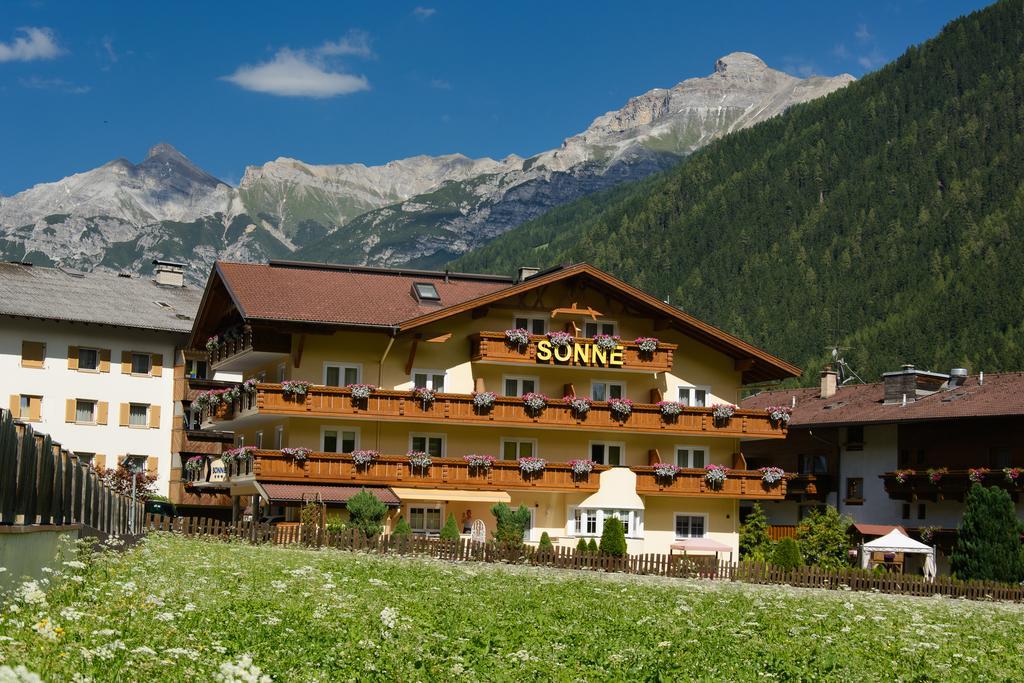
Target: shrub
545,542
754,541
402,529
450,531
787,554
367,513
988,544
510,525
823,539
581,546
613,538
592,547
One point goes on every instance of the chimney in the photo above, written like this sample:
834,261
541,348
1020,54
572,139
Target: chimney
908,384
169,273
829,382
526,272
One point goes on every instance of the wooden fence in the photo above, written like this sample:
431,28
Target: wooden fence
655,564
44,484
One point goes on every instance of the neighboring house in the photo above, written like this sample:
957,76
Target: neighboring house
285,324
87,358
897,452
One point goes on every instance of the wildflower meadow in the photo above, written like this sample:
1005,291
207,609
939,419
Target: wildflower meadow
185,609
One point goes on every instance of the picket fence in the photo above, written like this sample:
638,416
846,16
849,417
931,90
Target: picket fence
654,564
44,484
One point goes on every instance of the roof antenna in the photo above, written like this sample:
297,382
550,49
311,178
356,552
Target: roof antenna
846,373
446,275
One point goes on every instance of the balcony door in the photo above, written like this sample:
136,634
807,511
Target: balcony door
691,456
608,453
342,374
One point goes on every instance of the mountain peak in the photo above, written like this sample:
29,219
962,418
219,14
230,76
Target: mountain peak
164,150
739,62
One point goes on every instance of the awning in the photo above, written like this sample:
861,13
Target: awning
452,495
708,545
293,493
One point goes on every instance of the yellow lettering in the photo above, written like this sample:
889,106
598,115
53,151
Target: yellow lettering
563,357
598,354
543,350
581,354
615,358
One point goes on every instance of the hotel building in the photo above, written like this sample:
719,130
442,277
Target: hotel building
449,376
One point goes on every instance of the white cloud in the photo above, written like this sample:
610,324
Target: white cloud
354,42
60,84
35,43
862,33
440,84
296,74
872,60
108,47
423,13
840,51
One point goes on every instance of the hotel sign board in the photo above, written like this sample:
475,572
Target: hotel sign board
587,354
217,471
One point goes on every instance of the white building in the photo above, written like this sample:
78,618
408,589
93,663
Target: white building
88,358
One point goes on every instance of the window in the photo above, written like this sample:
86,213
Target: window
535,325
594,328
513,449
516,385
426,291
337,440
602,391
1000,457
691,456
590,522
613,454
813,464
85,411
259,439
239,440
138,415
694,397
431,379
586,522
922,509
855,438
342,374
278,438
690,526
906,511
88,359
425,519
431,444
530,523
85,458
142,363
32,354
195,369
30,407
855,490
281,372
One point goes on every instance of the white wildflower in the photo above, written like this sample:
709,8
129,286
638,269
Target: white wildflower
18,674
70,614
48,629
389,617
31,594
242,671
189,607
143,650
165,616
377,582
75,564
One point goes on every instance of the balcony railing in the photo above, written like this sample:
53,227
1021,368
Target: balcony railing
402,406
949,485
244,349
492,347
694,483
391,470
810,486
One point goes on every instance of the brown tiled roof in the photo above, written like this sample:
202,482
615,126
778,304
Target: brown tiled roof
343,296
292,493
999,396
876,529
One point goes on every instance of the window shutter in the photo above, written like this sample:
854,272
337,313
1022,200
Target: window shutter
32,354
15,405
102,408
158,365
35,405
72,358
126,362
154,417
104,360
124,415
152,465
99,460
69,410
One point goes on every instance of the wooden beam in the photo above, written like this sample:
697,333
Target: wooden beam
576,310
412,353
744,364
440,339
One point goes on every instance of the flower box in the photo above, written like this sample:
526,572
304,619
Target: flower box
419,459
534,403
479,462
295,388
212,343
424,395
670,410
935,475
298,454
195,463
606,341
560,338
977,474
722,413
771,475
529,465
363,458
902,476
581,468
647,344
517,337
483,401
621,407
666,471
779,415
361,392
715,475
578,405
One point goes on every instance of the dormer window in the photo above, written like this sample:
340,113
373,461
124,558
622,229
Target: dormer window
425,291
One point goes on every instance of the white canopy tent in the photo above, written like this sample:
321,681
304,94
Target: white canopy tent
897,542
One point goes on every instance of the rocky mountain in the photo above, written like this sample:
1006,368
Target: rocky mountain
421,210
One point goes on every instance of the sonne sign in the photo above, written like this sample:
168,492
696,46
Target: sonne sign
579,354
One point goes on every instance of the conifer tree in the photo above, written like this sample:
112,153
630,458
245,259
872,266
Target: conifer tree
613,538
545,542
988,545
450,531
402,529
755,544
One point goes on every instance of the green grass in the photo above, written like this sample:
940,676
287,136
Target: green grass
178,609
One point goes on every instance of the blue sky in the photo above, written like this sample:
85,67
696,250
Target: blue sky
230,85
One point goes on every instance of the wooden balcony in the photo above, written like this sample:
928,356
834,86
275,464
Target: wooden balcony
199,442
243,349
809,486
491,347
401,406
691,483
952,485
443,473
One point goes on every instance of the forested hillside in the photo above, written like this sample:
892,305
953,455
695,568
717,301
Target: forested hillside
887,216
